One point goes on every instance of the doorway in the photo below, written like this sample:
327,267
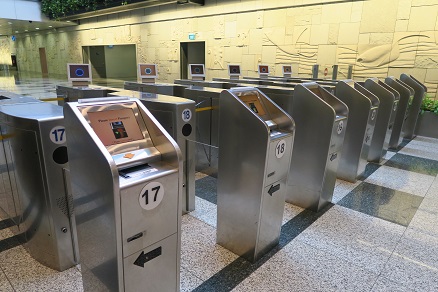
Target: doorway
191,53
43,62
111,61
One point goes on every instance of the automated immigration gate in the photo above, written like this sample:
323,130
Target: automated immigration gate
203,83
362,115
385,119
34,145
256,139
320,120
178,118
207,125
74,93
414,109
127,169
158,88
406,94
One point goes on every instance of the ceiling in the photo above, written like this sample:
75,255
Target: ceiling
9,27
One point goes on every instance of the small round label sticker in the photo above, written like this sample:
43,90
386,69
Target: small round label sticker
373,115
186,115
280,149
340,127
151,195
57,135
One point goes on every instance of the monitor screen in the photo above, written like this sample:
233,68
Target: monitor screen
115,126
253,102
287,69
147,70
79,72
234,70
197,70
263,69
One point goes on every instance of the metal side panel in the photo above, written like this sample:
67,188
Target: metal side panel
355,134
34,212
414,110
384,120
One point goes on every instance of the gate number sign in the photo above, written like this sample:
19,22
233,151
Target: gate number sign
57,135
151,195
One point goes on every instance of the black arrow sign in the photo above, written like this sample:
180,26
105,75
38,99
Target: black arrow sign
145,257
273,189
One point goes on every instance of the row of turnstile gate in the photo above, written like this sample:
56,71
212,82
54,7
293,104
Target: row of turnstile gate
62,202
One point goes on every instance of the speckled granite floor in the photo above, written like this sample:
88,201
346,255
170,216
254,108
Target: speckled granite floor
379,234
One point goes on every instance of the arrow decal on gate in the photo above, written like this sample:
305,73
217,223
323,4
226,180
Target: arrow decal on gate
145,257
273,189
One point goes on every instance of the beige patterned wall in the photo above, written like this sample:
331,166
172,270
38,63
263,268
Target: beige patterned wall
378,37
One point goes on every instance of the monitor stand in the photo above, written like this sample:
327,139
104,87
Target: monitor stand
147,80
80,83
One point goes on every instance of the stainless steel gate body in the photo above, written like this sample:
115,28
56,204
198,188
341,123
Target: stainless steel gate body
406,94
34,145
414,109
320,120
159,88
177,116
361,120
256,139
73,93
385,119
126,172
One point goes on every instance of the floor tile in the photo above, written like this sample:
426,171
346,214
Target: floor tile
342,189
206,188
5,285
200,254
25,274
413,163
432,193
401,180
205,211
300,267
389,154
369,170
384,285
290,211
355,237
425,222
199,175
391,205
188,281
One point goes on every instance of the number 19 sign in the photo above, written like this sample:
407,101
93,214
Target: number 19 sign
57,135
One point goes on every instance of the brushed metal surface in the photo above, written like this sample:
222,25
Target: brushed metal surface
38,184
73,93
360,126
249,218
168,110
104,203
158,88
414,109
385,119
318,145
406,94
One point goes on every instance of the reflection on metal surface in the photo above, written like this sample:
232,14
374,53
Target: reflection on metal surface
256,139
420,91
361,121
120,220
318,144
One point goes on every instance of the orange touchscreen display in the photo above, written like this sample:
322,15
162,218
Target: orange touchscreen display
253,102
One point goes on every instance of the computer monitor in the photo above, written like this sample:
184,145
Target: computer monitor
263,70
234,70
287,70
147,71
79,72
197,71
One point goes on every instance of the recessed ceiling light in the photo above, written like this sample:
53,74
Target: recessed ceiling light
37,28
25,30
9,22
68,21
16,31
50,26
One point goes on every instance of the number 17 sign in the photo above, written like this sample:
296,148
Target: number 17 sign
151,195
